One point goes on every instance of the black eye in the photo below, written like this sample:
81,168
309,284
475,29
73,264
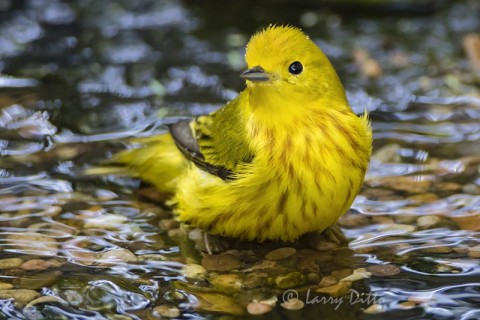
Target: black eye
295,68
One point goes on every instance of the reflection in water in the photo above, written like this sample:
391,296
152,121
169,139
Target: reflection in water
88,75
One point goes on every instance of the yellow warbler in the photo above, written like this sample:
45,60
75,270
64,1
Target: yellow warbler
287,156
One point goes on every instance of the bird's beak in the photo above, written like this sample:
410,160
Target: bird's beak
256,74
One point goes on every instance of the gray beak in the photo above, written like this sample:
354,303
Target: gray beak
255,74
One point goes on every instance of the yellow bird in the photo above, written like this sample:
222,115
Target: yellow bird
287,156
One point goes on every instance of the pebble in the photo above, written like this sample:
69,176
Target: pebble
405,218
407,305
358,274
33,243
474,252
117,255
167,311
407,184
428,221
470,222
10,263
258,308
384,270
328,281
227,282
36,264
85,258
381,219
374,309
437,249
325,246
388,153
21,297
353,220
337,290
220,262
105,221
424,197
194,271
73,297
402,228
45,299
280,254
341,273
105,195
289,280
4,286
293,304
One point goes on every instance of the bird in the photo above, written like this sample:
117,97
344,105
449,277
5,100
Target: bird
284,158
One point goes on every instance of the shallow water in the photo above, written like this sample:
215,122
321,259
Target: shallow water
79,78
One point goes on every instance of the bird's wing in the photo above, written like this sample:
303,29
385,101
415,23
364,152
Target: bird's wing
216,142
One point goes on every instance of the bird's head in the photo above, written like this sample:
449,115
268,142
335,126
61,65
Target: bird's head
283,62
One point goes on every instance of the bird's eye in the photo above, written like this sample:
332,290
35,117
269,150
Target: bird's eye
295,68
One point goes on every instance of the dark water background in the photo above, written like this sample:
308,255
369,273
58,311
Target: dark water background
78,78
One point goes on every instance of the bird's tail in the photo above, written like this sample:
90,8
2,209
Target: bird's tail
154,159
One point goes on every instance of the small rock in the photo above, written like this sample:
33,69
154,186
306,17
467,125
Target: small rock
167,311
437,249
448,186
10,263
105,221
105,195
4,286
328,281
289,280
400,228
117,255
388,153
353,220
407,304
342,273
293,304
73,297
313,277
194,271
33,243
45,299
86,258
428,221
374,309
220,262
35,264
325,246
358,274
384,270
21,297
258,308
423,198
308,265
254,280
227,282
474,252
405,218
337,290
272,302
280,254
381,219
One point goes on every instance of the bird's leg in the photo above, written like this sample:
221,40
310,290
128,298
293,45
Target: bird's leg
335,234
206,243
